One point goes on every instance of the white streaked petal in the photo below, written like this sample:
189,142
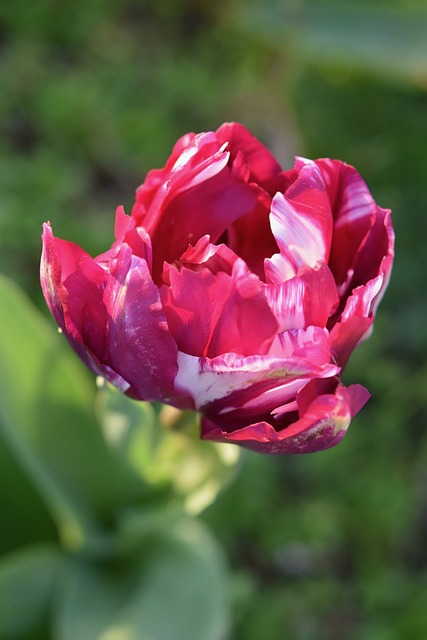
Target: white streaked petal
207,380
295,234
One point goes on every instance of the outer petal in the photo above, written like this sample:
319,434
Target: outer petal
380,243
363,235
141,348
301,222
322,426
354,213
256,384
59,259
86,308
356,320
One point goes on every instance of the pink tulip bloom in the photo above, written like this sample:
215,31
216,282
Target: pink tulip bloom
235,289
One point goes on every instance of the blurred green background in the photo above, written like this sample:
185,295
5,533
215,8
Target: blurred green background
94,94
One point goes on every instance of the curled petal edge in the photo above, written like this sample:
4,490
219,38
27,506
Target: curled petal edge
323,425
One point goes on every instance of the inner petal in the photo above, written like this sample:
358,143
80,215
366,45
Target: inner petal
213,313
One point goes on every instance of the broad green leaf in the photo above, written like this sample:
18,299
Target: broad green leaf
27,582
165,448
387,41
21,506
48,421
173,589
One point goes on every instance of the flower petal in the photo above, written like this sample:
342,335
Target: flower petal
306,299
363,234
215,257
59,259
261,163
207,209
141,348
322,426
355,323
259,383
301,222
213,313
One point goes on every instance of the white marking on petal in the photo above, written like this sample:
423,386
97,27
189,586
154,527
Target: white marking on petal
295,233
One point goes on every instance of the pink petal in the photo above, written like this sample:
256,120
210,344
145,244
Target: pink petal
140,346
322,426
86,308
301,222
122,224
356,320
311,344
259,383
201,160
215,257
306,299
135,237
260,162
207,209
59,259
376,257
210,314
363,234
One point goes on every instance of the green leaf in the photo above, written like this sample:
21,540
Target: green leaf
47,419
173,589
387,41
28,519
27,581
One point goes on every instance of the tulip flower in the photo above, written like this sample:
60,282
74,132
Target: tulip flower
235,288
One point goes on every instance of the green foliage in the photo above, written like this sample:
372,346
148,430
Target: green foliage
117,482
172,588
27,582
377,38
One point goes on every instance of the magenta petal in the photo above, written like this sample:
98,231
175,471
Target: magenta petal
323,426
141,348
357,396
307,299
251,385
356,320
62,259
214,313
122,224
188,293
261,163
215,257
354,213
157,177
86,307
363,235
221,201
301,222
59,259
